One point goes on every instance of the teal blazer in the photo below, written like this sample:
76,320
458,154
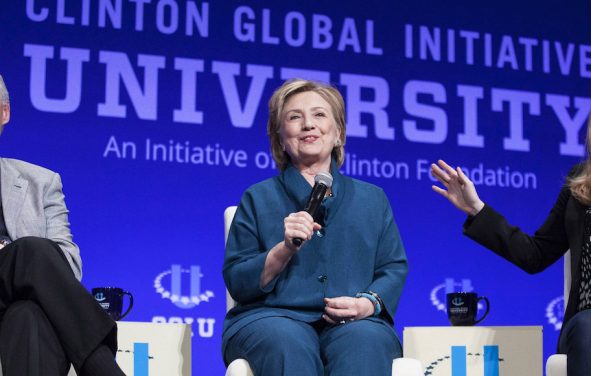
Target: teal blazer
358,249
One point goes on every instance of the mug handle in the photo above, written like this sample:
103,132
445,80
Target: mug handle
487,308
130,304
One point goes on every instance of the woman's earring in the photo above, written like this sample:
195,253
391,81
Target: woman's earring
337,144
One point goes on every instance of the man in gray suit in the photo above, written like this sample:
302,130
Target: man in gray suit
47,318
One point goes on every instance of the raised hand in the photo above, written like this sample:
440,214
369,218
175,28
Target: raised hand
459,189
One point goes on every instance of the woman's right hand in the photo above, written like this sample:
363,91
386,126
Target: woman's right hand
299,225
460,190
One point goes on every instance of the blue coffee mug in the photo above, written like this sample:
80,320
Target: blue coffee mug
111,300
462,308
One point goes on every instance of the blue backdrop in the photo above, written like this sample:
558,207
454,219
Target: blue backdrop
154,112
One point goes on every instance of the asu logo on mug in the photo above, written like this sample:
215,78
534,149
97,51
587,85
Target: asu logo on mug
462,308
99,297
439,292
457,302
111,300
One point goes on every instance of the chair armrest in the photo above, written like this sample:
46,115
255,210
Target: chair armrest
239,367
407,367
556,365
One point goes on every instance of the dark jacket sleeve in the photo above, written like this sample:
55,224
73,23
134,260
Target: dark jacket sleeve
531,253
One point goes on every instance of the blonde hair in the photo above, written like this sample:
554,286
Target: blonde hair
277,102
580,184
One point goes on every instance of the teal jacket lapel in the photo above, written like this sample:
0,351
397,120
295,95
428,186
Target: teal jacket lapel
298,189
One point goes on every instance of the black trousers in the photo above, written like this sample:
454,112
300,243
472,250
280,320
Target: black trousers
47,318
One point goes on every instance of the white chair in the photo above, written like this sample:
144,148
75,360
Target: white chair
240,367
556,364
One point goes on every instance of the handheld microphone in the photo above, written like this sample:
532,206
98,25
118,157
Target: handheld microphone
322,182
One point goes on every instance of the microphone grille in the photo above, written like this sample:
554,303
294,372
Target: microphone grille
323,178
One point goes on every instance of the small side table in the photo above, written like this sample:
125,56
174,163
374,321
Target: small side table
477,350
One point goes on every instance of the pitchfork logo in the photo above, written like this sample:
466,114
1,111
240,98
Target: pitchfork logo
174,278
99,297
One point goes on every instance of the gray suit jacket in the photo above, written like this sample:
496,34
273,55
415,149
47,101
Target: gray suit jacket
33,205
